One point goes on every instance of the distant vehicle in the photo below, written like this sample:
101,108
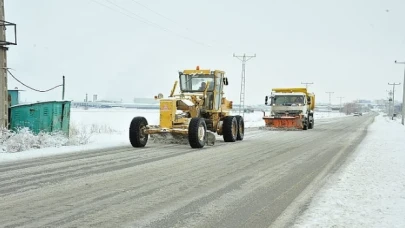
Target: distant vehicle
357,114
291,108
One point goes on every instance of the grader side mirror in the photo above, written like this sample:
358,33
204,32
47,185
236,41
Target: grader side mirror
225,81
159,96
266,99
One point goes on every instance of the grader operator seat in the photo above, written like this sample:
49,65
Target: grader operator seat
202,86
208,103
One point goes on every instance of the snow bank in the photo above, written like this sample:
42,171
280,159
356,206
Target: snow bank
370,190
24,139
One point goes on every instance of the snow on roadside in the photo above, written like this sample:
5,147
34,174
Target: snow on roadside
370,190
103,141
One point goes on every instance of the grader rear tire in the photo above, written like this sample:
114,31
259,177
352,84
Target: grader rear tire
197,132
241,128
136,135
230,129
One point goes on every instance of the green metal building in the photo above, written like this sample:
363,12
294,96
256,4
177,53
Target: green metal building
48,116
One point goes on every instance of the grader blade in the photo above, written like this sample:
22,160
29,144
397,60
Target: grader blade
169,138
179,137
283,123
210,138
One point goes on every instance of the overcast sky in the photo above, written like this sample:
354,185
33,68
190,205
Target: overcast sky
344,46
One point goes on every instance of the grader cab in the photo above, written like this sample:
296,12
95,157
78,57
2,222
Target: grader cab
193,115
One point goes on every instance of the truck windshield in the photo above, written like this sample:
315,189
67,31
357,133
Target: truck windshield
196,82
288,99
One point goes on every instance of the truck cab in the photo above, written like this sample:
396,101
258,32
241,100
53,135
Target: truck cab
294,104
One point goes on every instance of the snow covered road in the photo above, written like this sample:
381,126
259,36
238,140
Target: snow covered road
242,184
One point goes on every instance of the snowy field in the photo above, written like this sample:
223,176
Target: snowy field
370,190
96,129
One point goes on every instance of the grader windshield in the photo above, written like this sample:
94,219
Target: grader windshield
196,82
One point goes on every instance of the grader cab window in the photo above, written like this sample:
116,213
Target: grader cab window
196,82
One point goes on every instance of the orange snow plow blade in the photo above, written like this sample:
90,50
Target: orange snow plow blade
283,122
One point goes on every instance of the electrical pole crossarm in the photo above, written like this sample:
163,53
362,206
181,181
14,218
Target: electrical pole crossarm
307,83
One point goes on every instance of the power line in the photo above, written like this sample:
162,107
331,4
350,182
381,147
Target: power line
146,21
157,13
171,20
244,58
29,87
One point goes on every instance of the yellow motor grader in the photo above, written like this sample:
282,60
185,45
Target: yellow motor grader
193,115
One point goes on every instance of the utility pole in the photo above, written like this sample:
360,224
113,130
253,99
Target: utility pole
340,104
3,73
389,102
403,95
3,65
63,88
244,58
306,84
393,97
330,99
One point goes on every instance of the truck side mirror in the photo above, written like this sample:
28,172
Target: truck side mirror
265,100
225,81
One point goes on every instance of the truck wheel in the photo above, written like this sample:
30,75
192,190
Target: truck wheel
241,128
137,137
306,123
311,123
230,129
197,132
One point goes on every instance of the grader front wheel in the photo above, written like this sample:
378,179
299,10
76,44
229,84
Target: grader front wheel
241,128
137,137
230,129
197,133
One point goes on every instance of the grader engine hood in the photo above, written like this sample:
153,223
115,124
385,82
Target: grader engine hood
187,102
